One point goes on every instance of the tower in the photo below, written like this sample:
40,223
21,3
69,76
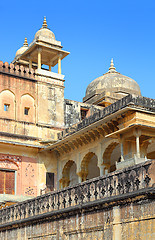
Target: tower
45,50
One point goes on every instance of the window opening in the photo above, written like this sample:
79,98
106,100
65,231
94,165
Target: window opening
6,107
26,111
50,181
7,182
83,113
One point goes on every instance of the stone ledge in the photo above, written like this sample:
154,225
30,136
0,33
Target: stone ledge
13,198
42,72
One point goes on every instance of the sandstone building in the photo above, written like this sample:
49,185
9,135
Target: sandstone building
49,143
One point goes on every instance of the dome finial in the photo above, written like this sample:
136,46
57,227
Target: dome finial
44,23
25,43
112,68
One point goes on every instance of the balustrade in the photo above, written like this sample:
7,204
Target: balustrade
116,183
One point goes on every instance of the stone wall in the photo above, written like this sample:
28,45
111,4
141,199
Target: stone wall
42,96
117,206
26,173
147,104
73,111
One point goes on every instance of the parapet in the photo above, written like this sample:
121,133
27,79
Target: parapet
17,70
25,72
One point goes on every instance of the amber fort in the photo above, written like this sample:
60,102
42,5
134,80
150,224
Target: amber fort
73,170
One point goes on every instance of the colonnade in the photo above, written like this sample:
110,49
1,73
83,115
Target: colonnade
127,150
92,164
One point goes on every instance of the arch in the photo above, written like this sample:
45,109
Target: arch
151,150
7,91
69,176
7,104
27,94
89,167
8,164
27,108
110,156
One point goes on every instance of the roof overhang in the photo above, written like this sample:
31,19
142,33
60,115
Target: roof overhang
49,54
146,130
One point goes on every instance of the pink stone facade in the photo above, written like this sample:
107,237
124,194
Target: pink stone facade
26,173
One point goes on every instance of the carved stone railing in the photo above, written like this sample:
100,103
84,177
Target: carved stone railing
124,182
142,102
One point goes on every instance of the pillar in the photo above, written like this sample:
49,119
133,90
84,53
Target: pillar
79,179
137,146
106,171
121,146
100,159
102,170
137,134
50,67
59,63
39,58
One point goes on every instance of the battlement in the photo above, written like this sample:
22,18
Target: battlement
17,70
25,72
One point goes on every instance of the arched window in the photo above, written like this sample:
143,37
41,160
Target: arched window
7,104
27,108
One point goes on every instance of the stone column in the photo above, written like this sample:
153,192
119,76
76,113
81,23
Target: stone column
50,67
137,134
39,58
137,146
106,171
59,63
79,179
102,170
100,159
78,170
121,146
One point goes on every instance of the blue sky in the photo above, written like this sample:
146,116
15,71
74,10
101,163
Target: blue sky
93,32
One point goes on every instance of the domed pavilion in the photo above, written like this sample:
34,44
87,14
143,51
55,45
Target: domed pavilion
43,50
110,87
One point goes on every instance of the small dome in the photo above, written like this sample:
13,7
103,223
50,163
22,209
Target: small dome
114,82
23,48
44,32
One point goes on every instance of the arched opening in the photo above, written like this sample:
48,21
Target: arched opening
73,178
7,104
27,108
89,167
151,150
69,176
111,155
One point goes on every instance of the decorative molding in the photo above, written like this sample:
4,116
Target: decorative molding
10,162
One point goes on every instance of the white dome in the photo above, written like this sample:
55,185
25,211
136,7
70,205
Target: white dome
23,48
44,32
